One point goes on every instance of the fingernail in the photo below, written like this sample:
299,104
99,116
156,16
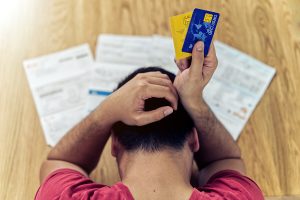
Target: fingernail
200,47
168,111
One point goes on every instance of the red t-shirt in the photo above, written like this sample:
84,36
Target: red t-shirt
64,184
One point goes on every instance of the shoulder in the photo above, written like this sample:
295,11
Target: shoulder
71,184
229,184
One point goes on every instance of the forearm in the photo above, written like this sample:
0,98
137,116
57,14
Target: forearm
215,141
218,151
83,144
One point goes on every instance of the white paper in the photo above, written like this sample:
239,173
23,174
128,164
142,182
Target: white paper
105,79
236,87
233,92
143,51
59,84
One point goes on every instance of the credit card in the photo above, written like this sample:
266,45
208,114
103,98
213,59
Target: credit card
179,25
201,28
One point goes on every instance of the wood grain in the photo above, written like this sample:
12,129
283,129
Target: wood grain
268,30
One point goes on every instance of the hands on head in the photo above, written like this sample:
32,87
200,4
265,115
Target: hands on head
127,103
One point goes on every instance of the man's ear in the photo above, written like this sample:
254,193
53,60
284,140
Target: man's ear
193,141
115,145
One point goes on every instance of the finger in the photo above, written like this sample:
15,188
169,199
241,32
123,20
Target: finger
212,50
157,74
210,63
159,91
162,82
211,57
153,115
197,58
183,64
178,64
189,61
207,73
163,92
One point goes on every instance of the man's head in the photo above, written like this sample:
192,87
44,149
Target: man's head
170,132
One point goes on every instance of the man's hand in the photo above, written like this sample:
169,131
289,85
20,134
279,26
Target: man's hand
127,103
81,147
218,150
194,74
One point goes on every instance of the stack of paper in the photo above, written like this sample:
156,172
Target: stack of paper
68,85
59,84
236,87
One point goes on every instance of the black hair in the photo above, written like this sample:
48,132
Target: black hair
171,131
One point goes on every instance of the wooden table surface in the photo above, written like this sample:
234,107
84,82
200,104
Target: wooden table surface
269,30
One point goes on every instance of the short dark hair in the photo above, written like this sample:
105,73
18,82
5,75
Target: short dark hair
171,131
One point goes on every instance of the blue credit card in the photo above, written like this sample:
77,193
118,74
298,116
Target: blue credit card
202,28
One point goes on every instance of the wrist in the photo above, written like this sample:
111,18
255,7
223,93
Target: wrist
104,114
197,108
192,104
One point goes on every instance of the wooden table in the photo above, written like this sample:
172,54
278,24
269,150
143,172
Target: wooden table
268,30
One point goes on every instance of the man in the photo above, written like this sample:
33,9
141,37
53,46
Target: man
159,125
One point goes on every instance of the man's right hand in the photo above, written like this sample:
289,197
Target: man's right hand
194,74
218,149
127,103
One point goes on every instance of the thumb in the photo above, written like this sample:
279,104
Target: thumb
197,58
154,115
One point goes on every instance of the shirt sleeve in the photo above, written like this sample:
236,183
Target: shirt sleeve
229,184
66,184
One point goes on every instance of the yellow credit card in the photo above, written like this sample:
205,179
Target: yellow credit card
179,26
